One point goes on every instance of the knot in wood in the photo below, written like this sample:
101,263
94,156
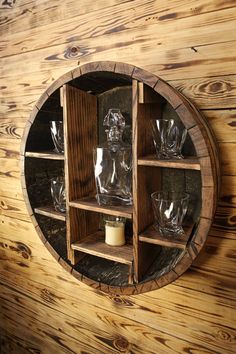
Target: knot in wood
119,300
72,52
47,296
121,344
215,87
3,205
232,220
225,336
24,250
7,4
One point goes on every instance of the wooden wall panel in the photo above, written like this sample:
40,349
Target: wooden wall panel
130,25
43,309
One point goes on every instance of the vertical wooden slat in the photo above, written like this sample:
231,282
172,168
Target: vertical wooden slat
135,174
80,129
145,179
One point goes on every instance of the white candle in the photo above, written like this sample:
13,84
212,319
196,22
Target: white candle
115,233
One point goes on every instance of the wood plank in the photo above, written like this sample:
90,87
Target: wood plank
161,297
223,123
227,154
53,275
215,22
190,163
80,130
13,208
151,235
12,343
50,212
209,92
104,339
11,129
224,292
224,224
9,148
68,332
228,192
6,189
182,61
17,107
192,45
95,245
41,15
222,250
153,301
50,155
90,203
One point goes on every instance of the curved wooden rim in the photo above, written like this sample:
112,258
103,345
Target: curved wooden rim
204,143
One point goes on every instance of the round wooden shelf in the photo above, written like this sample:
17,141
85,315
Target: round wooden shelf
80,98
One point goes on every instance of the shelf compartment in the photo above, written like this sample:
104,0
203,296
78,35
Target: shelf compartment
50,212
90,204
151,235
95,245
50,155
188,163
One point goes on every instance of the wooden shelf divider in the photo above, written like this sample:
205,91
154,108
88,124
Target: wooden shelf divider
151,235
90,204
96,246
50,212
51,155
188,163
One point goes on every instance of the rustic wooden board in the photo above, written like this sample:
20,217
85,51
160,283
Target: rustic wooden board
215,21
186,163
43,308
90,203
50,155
180,60
95,245
209,93
50,212
138,304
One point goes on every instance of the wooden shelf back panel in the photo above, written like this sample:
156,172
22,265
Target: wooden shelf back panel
188,163
81,223
151,235
50,155
90,203
80,117
96,246
80,132
50,212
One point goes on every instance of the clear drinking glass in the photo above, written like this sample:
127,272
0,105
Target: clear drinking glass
169,211
58,194
168,137
113,175
57,133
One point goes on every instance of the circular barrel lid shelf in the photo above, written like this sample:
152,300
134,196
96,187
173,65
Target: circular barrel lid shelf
81,99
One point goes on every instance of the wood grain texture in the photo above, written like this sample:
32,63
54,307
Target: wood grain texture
94,244
43,308
80,119
90,203
187,163
50,212
209,93
45,155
